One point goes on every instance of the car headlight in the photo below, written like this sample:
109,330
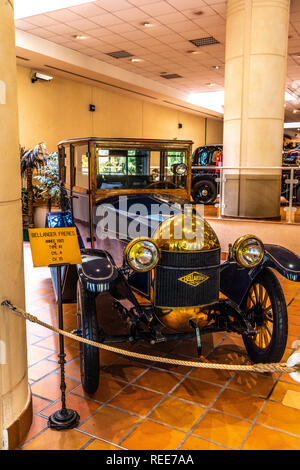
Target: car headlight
142,254
248,251
179,169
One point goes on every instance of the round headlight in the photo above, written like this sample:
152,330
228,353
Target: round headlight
248,251
142,254
179,168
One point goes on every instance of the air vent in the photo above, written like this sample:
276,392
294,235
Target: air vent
204,41
170,76
120,54
22,58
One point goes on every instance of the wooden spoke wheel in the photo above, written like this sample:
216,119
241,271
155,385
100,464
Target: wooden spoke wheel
265,307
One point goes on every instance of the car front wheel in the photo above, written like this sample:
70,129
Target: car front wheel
88,324
204,192
266,310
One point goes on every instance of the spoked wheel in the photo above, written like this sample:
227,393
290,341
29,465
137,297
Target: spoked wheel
266,310
205,192
89,355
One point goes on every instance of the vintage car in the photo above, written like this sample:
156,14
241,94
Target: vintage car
146,246
205,172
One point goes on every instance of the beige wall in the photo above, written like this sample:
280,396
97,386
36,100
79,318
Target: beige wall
58,110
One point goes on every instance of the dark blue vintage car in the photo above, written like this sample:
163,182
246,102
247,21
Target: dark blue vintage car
146,246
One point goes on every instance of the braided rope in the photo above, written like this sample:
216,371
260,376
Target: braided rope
278,367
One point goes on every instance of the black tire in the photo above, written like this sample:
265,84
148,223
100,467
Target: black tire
204,191
266,310
89,355
298,194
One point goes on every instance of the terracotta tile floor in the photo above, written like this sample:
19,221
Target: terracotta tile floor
152,406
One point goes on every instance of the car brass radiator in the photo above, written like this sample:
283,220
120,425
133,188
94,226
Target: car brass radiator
187,287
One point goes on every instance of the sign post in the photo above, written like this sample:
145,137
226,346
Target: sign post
57,248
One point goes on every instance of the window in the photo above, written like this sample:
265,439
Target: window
130,169
81,164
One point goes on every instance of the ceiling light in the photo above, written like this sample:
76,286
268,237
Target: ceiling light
291,125
23,9
79,36
295,111
192,52
289,97
146,24
136,59
213,100
216,67
210,84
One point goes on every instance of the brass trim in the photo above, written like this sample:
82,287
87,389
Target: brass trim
236,246
131,244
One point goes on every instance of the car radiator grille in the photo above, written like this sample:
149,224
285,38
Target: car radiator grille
170,291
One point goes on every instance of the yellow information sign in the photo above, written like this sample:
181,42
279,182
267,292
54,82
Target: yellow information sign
54,246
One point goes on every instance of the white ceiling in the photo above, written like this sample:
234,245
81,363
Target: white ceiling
114,25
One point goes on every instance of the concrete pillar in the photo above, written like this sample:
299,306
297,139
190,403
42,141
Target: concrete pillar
255,75
14,394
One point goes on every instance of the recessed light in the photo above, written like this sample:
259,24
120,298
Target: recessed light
210,84
295,111
216,67
192,52
79,36
136,59
146,24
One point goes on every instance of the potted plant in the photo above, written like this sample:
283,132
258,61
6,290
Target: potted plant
49,185
31,160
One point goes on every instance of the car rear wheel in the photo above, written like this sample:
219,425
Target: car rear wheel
88,324
266,310
204,192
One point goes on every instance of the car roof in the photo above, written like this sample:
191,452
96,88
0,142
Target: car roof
125,140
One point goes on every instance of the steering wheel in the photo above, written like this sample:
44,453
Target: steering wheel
162,185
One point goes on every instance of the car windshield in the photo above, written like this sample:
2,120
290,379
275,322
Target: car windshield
130,169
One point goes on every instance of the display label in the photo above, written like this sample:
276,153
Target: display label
54,246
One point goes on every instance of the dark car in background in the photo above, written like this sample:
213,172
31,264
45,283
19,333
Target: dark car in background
204,184
205,187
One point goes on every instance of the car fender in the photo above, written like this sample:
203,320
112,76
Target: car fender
235,280
97,271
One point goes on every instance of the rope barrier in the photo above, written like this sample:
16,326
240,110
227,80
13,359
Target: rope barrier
274,367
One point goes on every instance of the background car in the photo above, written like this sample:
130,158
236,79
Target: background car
204,185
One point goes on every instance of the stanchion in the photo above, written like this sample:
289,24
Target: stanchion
64,418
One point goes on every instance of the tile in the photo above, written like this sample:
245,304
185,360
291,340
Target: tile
38,424
97,444
196,443
83,406
239,404
292,399
219,377
282,388
110,424
280,417
223,429
70,351
58,440
106,390
72,369
126,371
38,404
262,438
254,384
153,436
177,413
136,400
158,380
41,369
49,387
196,391
36,354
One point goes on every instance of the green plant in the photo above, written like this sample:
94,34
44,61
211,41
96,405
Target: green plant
37,194
48,179
31,160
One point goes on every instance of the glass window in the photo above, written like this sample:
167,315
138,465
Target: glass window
130,169
81,164
67,165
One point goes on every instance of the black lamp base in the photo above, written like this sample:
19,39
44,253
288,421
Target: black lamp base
63,419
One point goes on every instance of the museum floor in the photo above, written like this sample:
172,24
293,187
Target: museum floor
149,406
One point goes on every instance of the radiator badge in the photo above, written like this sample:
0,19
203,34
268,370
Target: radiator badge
194,279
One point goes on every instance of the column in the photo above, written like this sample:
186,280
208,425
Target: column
15,398
255,75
